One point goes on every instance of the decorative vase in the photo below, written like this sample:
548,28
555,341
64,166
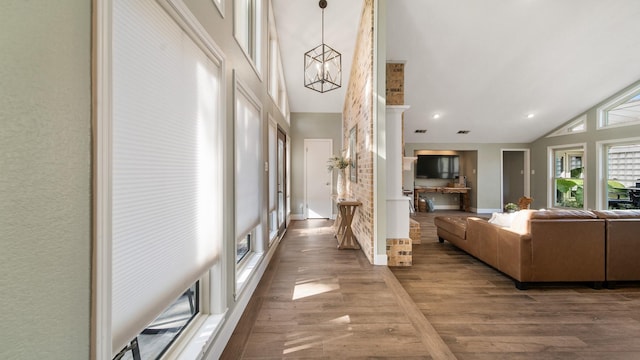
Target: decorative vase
342,184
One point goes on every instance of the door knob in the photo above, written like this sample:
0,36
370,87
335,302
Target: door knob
327,184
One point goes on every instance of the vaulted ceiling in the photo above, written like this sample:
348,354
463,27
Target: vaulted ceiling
483,66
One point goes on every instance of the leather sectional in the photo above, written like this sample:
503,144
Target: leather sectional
553,245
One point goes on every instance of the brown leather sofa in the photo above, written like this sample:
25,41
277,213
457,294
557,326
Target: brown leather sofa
622,228
540,246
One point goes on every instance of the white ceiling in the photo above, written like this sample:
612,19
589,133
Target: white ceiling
299,24
483,65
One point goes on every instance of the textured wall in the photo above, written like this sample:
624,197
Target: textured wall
358,111
45,179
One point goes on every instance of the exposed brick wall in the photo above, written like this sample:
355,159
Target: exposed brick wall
358,111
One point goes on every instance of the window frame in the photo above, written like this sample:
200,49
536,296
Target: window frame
566,129
277,88
203,328
551,171
602,111
220,5
602,199
250,262
254,17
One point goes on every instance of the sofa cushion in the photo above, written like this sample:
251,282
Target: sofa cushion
563,214
617,214
454,225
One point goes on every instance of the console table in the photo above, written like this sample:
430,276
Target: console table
465,203
344,233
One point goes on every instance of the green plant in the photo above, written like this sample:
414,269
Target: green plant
337,162
510,207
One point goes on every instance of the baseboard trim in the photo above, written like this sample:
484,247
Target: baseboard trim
380,260
486,211
446,207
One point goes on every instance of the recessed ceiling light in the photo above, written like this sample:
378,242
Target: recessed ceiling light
421,131
530,116
436,116
464,131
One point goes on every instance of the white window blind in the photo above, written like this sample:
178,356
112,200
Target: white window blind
248,167
273,166
166,216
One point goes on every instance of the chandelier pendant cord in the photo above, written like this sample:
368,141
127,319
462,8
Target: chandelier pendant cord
323,52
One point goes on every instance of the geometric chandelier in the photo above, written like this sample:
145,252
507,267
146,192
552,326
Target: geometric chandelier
322,64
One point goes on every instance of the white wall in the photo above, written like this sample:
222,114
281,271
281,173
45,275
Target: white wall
45,179
310,126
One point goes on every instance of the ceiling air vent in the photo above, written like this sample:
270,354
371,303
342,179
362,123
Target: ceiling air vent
464,131
421,131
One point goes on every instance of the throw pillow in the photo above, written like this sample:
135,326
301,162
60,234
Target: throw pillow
520,223
502,219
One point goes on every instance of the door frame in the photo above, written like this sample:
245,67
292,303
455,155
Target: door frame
526,175
305,210
281,135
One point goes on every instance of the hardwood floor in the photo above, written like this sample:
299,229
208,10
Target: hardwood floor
318,302
480,315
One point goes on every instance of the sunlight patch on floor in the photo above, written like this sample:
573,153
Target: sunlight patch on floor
341,320
314,288
313,344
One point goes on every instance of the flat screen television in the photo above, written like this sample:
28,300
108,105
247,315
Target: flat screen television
437,166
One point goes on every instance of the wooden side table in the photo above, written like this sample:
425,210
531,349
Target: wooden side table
344,234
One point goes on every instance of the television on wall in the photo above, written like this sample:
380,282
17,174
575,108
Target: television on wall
437,166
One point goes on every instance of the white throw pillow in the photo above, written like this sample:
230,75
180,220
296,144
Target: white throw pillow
520,222
502,219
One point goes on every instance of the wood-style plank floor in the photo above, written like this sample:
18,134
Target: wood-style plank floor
480,315
318,302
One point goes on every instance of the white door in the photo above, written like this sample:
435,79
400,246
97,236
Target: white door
318,184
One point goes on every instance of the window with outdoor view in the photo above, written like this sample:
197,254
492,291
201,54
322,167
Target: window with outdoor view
623,176
623,110
568,166
247,29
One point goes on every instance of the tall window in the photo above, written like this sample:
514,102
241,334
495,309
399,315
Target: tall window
248,168
623,110
568,178
273,180
247,29
277,87
165,208
623,176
